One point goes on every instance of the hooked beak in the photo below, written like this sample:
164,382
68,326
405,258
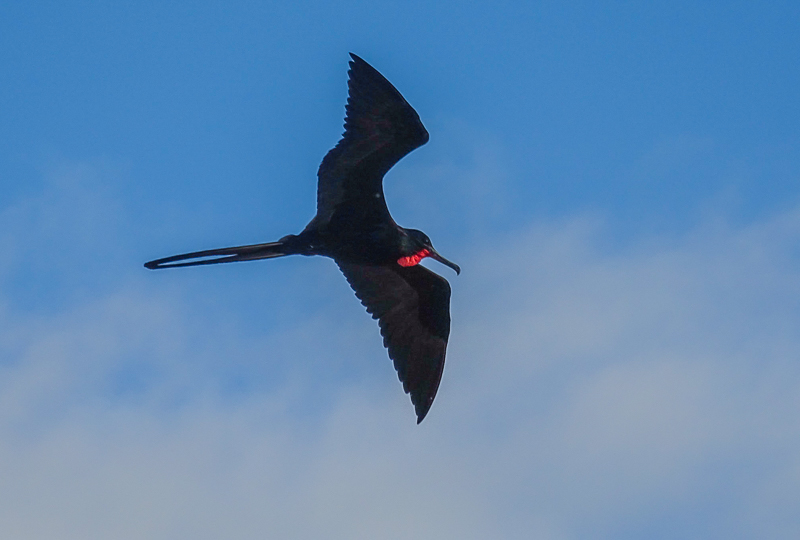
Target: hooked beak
435,256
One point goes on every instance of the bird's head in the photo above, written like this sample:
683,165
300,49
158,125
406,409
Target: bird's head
417,246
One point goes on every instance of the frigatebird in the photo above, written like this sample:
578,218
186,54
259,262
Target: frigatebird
379,259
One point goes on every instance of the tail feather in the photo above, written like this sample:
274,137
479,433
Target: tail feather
224,255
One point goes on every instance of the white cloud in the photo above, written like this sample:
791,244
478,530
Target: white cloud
589,393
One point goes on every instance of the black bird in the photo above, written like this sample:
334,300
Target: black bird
354,228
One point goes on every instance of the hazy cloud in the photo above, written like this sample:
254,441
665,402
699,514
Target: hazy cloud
589,392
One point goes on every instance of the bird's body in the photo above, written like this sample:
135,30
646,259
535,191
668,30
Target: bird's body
353,227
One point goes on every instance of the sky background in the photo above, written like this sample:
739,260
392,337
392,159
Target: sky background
619,182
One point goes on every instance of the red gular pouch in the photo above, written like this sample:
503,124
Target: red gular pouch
413,260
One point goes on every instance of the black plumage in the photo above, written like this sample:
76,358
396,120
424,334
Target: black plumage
354,228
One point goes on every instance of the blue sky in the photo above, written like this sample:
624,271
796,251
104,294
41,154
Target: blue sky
619,183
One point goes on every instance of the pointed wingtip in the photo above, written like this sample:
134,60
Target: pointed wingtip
422,413
355,59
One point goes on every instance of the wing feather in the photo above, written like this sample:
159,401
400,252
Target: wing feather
412,306
380,128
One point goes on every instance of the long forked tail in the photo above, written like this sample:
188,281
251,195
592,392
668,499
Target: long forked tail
224,255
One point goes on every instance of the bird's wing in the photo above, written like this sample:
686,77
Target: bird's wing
380,127
412,306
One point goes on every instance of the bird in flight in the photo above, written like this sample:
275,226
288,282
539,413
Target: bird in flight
379,259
